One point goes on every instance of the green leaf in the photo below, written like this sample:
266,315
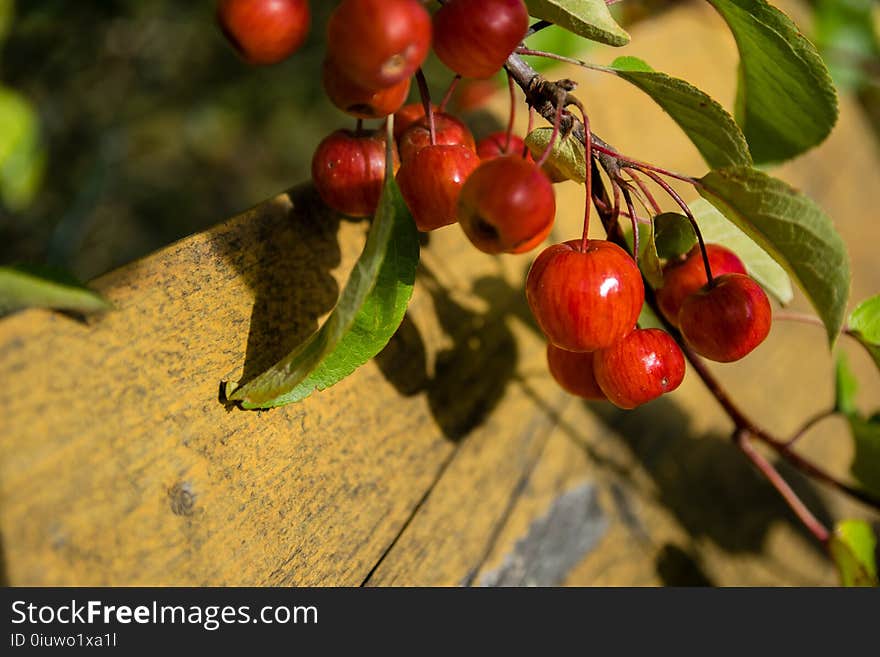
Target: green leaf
761,266
708,125
647,319
24,286
792,229
845,32
587,18
846,386
673,235
22,155
866,460
566,161
649,262
787,103
7,13
852,548
368,312
864,324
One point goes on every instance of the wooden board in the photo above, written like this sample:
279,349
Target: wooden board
453,458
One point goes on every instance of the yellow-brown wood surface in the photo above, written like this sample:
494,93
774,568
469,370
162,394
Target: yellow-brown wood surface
452,458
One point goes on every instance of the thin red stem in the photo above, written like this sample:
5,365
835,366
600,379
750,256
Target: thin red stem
781,485
644,167
588,178
647,192
809,424
426,102
448,95
635,224
690,215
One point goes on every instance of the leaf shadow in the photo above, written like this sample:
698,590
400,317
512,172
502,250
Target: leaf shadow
285,252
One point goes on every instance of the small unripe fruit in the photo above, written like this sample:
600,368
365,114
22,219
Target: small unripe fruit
642,366
379,43
448,130
574,372
727,320
682,278
507,206
585,300
264,31
475,37
348,170
431,181
359,102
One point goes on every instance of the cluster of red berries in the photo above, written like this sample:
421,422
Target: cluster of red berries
586,295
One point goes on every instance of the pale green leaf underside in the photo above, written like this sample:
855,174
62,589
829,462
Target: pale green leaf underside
587,18
716,229
368,312
31,287
706,123
786,101
864,322
846,386
852,547
793,230
566,161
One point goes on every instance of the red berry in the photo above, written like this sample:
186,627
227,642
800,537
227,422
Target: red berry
475,37
407,115
264,31
684,277
447,130
574,372
507,206
379,43
348,170
642,366
726,320
358,102
431,181
585,300
500,143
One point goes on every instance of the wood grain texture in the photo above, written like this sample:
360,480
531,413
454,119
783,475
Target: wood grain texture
442,459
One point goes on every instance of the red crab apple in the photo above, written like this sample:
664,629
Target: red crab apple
585,300
500,143
379,43
447,130
474,37
574,372
507,205
642,366
358,102
264,31
348,170
431,181
726,320
684,277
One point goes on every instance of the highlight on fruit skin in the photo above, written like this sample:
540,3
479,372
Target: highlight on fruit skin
641,367
264,31
585,300
726,321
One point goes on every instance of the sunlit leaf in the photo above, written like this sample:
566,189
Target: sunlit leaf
864,324
587,18
43,287
22,154
852,547
845,386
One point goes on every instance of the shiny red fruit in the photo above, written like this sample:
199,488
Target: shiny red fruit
728,320
574,372
500,143
447,129
431,181
379,43
681,279
507,206
642,366
348,170
359,102
265,31
475,37
585,300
